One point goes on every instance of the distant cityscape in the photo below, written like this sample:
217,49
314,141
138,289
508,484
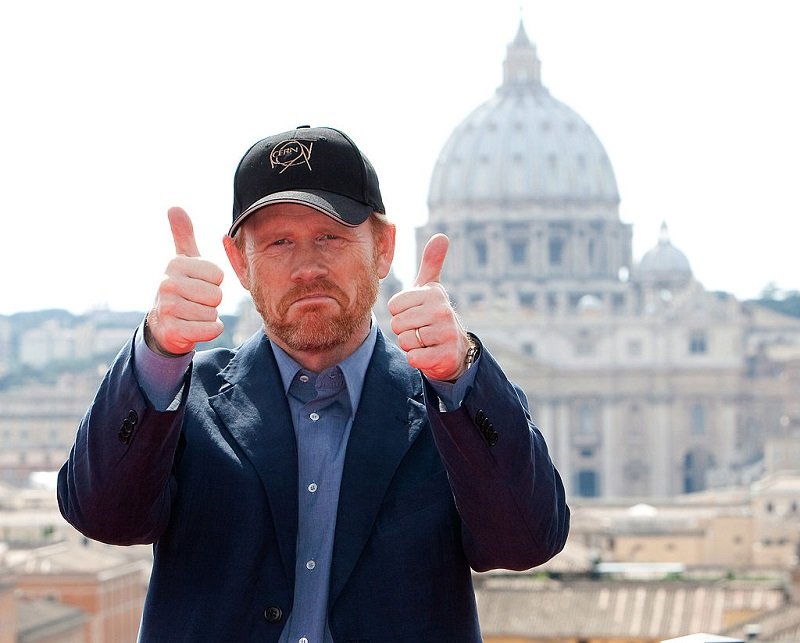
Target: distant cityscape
719,559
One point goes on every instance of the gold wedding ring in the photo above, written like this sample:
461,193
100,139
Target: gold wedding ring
419,339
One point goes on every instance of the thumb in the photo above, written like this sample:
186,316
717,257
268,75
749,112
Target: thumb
182,232
433,256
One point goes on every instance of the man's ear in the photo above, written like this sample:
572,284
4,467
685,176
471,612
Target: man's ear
385,250
237,259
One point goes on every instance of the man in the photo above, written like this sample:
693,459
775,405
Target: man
316,484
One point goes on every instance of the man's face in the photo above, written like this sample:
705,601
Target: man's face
314,281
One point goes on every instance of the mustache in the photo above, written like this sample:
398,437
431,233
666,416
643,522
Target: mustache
321,287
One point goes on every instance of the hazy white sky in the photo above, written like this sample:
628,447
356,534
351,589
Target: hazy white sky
113,112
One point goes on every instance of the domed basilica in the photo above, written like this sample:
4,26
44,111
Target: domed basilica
643,382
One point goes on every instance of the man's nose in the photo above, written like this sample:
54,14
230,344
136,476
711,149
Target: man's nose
309,263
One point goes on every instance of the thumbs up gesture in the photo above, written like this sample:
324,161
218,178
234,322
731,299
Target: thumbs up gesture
424,321
185,309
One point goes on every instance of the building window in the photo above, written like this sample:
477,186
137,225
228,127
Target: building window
527,299
519,252
586,422
698,419
696,463
588,484
481,252
698,343
555,252
634,347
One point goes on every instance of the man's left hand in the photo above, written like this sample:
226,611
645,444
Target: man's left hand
424,321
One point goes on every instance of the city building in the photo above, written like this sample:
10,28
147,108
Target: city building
48,621
754,527
643,382
530,610
106,585
38,421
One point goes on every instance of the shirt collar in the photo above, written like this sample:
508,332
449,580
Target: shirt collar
353,367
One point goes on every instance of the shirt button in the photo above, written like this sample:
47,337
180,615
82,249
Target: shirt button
303,640
314,417
310,564
312,487
304,378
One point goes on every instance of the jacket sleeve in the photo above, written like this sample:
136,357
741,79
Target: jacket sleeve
117,485
508,492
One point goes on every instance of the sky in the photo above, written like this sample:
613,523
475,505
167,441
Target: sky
112,112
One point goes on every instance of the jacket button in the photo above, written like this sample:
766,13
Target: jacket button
133,417
125,431
273,614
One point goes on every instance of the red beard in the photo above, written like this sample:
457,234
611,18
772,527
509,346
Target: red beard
316,327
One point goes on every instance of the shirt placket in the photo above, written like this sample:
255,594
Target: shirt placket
320,429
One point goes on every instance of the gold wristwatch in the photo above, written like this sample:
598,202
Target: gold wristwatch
473,351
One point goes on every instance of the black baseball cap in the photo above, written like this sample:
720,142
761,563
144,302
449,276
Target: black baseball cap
319,167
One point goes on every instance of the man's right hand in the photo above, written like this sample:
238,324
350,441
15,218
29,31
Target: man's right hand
185,310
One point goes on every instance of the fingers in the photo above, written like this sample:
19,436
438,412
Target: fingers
426,301
426,285
185,309
427,327
177,324
433,256
203,270
172,336
193,279
438,350
182,232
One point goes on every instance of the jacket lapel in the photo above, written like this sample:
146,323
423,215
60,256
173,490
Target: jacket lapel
390,416
253,408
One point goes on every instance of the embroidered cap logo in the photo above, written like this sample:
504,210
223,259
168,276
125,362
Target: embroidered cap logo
289,153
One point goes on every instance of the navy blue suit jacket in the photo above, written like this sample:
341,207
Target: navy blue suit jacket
425,495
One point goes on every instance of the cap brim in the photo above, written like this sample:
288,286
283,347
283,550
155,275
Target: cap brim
340,208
